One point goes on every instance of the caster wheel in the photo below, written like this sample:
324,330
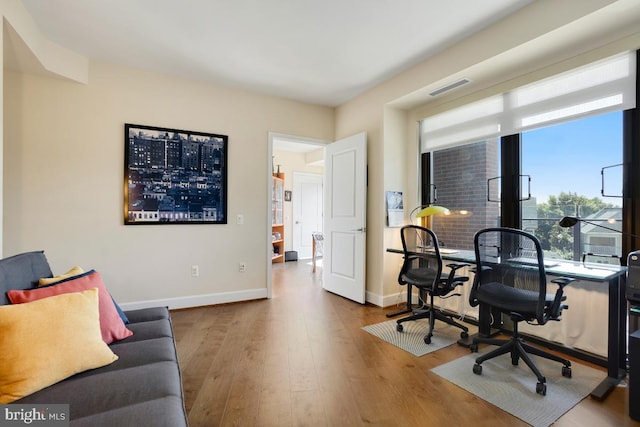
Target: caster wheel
477,369
474,348
566,371
399,327
464,334
541,389
427,339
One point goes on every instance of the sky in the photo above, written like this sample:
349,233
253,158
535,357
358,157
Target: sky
569,157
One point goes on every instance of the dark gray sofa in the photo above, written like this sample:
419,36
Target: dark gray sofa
142,388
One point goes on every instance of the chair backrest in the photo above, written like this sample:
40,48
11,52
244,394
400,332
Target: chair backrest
421,255
513,258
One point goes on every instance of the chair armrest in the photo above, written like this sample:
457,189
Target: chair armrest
555,310
563,281
451,281
452,273
455,266
473,299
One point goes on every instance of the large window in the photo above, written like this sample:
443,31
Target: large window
576,170
528,157
571,169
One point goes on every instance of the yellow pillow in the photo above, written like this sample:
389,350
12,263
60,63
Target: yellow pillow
50,280
45,341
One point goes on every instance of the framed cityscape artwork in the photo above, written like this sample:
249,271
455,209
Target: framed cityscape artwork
174,176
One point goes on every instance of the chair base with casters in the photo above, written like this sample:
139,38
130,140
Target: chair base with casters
516,345
432,314
518,350
447,283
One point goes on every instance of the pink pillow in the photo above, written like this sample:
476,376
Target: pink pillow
111,325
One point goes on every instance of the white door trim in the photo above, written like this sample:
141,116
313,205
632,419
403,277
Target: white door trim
268,184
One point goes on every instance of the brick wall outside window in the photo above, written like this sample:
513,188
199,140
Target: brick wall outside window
460,175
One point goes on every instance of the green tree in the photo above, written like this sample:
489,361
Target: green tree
556,239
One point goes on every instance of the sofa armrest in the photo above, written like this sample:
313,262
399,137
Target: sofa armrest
147,314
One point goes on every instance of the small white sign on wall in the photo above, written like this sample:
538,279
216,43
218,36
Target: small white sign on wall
395,209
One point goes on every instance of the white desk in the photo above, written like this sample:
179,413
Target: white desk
595,275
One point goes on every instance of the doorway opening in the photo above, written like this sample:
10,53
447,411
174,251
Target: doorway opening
300,164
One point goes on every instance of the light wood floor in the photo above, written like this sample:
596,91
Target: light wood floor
301,359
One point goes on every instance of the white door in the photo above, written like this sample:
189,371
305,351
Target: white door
345,180
307,211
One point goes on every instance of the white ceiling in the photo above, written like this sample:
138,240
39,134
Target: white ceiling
323,52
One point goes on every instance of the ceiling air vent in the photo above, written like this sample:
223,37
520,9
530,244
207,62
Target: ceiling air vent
450,86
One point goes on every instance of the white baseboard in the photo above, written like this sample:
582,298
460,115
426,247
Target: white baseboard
399,298
248,295
197,300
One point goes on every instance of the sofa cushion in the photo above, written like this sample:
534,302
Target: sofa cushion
74,271
22,271
111,324
138,353
113,390
45,341
123,316
148,330
166,411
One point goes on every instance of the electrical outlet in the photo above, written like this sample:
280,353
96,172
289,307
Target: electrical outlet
195,270
242,267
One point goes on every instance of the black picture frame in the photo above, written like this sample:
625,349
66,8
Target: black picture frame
174,176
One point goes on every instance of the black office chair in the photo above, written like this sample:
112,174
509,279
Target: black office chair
510,277
422,268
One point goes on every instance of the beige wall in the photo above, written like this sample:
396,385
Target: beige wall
63,180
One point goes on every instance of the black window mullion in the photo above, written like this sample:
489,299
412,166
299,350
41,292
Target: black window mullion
510,170
631,174
425,179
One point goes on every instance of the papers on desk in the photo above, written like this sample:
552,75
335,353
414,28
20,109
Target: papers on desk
448,251
532,261
583,271
442,251
588,271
